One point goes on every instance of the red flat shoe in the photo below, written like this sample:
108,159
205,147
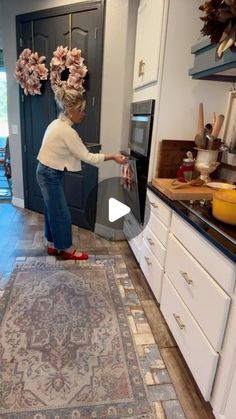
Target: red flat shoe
52,251
72,256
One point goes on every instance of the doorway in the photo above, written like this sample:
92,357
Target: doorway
5,164
80,24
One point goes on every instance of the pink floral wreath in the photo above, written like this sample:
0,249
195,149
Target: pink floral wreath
67,68
29,71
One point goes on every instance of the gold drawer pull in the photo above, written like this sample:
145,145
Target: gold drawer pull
147,260
150,241
178,321
153,204
186,277
141,68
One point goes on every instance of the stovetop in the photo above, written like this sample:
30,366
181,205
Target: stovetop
203,210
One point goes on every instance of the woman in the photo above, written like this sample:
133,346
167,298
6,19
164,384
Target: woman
62,149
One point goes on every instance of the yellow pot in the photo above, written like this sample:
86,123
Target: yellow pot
224,206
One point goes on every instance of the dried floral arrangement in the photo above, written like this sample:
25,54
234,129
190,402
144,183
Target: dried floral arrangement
220,23
29,72
67,68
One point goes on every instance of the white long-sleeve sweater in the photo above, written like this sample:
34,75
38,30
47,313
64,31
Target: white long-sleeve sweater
63,148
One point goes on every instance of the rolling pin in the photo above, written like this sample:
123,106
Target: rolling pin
217,126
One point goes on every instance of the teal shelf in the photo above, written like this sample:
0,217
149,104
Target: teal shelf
207,65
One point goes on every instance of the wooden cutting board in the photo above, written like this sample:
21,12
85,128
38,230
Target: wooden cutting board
184,194
170,156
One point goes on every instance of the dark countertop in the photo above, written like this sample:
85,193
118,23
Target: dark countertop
221,235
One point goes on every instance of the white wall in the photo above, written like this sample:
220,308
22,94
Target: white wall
117,70
1,41
177,94
180,94
120,29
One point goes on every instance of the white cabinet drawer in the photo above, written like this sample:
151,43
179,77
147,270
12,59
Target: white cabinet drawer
206,300
158,228
135,243
152,270
230,408
212,260
154,245
196,349
136,248
133,225
159,209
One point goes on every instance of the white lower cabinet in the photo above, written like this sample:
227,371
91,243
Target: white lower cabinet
133,233
135,243
196,302
213,261
223,398
154,245
199,354
158,228
230,408
195,286
152,270
155,237
205,299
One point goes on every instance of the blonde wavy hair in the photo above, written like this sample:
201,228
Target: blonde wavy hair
68,98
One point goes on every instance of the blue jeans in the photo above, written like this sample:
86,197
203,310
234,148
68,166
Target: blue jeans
57,218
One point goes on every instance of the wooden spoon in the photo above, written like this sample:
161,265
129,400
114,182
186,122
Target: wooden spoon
217,126
195,182
199,141
213,119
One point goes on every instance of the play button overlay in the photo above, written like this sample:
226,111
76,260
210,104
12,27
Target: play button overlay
113,208
117,210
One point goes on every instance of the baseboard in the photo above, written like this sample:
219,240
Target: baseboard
109,233
17,202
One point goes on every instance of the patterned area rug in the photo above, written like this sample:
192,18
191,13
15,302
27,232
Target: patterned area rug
66,348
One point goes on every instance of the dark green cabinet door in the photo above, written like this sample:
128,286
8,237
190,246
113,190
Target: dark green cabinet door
38,111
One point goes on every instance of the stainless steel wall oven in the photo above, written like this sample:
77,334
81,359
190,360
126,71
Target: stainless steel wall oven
139,152
141,127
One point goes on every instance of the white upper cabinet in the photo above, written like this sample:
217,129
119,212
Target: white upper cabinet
148,42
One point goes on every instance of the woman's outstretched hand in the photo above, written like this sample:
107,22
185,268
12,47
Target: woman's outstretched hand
118,158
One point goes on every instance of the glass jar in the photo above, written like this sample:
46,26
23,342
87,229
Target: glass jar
187,168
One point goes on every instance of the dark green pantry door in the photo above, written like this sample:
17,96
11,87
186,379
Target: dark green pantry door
50,29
